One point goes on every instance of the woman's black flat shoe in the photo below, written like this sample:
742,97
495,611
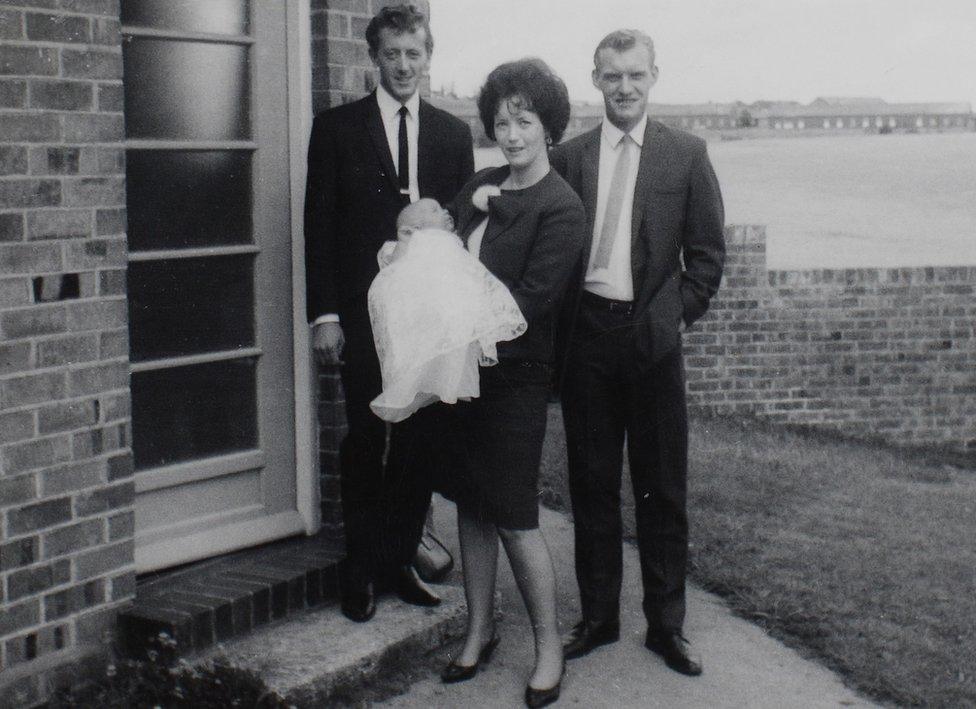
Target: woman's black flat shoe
459,673
535,698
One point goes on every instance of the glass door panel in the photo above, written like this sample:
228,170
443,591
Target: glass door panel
209,280
182,199
184,413
216,16
190,306
186,90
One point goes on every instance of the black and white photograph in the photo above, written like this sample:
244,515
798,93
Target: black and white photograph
487,353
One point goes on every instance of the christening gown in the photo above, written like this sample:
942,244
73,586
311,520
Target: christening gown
436,314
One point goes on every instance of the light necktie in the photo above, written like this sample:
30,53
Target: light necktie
615,202
403,160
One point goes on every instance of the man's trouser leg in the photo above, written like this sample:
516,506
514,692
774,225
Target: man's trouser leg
361,452
657,447
594,422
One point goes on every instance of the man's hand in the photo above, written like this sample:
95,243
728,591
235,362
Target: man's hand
328,341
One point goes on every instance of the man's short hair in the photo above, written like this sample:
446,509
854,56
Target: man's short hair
400,19
621,41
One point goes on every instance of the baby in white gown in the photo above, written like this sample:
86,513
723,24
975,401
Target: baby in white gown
436,314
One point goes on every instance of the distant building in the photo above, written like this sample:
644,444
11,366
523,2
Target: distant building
830,113
876,115
847,100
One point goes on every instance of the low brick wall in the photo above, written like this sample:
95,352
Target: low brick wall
876,353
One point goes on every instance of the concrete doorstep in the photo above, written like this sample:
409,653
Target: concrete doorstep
312,657
319,658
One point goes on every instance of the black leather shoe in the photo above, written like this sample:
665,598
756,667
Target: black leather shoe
411,589
459,673
543,697
676,651
358,604
586,636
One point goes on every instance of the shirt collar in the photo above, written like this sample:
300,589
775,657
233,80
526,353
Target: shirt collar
614,135
389,106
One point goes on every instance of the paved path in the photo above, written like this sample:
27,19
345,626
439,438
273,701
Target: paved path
743,666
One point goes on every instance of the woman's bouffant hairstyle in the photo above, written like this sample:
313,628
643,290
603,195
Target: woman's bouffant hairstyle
400,19
531,86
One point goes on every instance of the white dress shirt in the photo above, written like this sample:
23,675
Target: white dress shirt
390,115
616,281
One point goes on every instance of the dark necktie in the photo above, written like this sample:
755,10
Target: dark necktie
403,161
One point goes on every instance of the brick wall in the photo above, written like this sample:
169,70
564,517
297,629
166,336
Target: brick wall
66,491
341,68
341,72
875,353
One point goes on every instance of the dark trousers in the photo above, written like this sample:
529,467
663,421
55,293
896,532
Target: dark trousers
383,506
607,400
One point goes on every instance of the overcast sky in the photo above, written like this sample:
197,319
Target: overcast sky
723,50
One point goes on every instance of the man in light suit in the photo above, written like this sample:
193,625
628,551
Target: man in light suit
655,259
366,160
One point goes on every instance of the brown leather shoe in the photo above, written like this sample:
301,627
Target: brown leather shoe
676,651
585,636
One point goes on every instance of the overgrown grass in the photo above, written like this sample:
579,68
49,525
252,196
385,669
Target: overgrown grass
863,556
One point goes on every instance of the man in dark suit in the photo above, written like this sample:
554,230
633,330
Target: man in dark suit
655,260
366,160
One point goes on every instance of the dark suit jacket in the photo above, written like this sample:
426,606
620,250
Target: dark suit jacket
352,198
532,244
678,244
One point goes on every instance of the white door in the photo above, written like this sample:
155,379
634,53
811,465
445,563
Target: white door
209,276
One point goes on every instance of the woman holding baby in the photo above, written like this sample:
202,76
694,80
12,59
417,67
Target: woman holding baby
527,227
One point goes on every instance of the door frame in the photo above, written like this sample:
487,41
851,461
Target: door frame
299,31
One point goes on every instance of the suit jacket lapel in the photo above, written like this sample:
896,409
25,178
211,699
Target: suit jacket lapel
374,124
426,147
503,210
590,174
650,162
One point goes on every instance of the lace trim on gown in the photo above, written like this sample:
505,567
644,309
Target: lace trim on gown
436,311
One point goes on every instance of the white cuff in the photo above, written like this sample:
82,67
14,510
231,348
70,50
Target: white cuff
328,317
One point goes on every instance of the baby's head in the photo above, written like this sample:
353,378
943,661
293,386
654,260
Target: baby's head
423,214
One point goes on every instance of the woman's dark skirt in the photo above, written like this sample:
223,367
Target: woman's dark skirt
486,452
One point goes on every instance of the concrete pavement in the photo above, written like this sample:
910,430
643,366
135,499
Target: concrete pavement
743,666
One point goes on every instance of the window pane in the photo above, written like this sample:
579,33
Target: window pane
188,306
191,412
180,199
185,90
219,16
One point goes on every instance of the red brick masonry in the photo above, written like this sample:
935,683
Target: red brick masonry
880,353
66,490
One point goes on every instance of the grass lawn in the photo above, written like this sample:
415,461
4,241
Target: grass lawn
862,556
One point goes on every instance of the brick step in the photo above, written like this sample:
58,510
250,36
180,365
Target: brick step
219,599
320,657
